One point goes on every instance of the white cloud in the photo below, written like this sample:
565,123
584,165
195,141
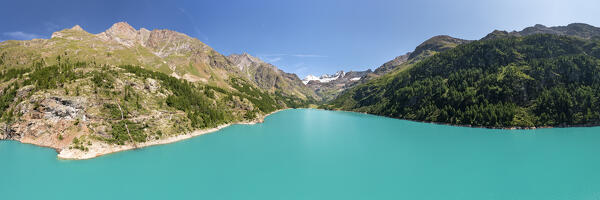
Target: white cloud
19,35
272,60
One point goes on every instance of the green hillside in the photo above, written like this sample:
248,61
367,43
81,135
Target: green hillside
537,80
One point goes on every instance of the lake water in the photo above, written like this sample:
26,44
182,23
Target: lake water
315,154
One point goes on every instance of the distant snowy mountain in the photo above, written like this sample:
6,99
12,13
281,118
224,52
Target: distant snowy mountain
325,78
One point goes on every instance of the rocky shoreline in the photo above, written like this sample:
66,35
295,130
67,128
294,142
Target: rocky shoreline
98,148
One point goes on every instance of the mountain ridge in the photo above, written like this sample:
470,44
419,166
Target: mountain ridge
508,70
581,30
269,77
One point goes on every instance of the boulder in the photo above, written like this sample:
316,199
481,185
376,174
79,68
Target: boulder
24,91
152,85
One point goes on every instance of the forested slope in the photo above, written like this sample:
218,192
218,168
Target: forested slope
531,81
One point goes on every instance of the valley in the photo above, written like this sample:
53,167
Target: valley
87,95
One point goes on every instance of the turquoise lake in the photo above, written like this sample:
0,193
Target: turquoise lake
315,154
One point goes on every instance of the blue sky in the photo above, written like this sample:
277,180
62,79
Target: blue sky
302,37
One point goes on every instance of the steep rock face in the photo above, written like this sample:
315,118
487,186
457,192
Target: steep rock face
269,77
244,61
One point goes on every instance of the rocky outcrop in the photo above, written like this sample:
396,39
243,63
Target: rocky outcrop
244,61
269,77
392,64
44,120
122,33
71,34
77,28
60,108
151,85
24,91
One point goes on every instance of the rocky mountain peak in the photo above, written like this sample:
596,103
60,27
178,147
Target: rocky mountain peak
252,58
77,28
124,34
121,30
436,44
244,60
496,34
70,33
160,38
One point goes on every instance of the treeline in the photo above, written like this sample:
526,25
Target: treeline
205,106
260,99
41,76
54,76
186,97
11,73
7,97
538,80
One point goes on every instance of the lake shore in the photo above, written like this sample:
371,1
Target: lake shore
99,148
471,126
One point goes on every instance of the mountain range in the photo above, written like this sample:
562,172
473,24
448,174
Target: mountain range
78,91
84,93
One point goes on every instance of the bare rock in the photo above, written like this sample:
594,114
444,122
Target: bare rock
7,132
59,108
122,33
77,28
152,85
24,91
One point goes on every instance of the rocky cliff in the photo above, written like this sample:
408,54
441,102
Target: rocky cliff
270,78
